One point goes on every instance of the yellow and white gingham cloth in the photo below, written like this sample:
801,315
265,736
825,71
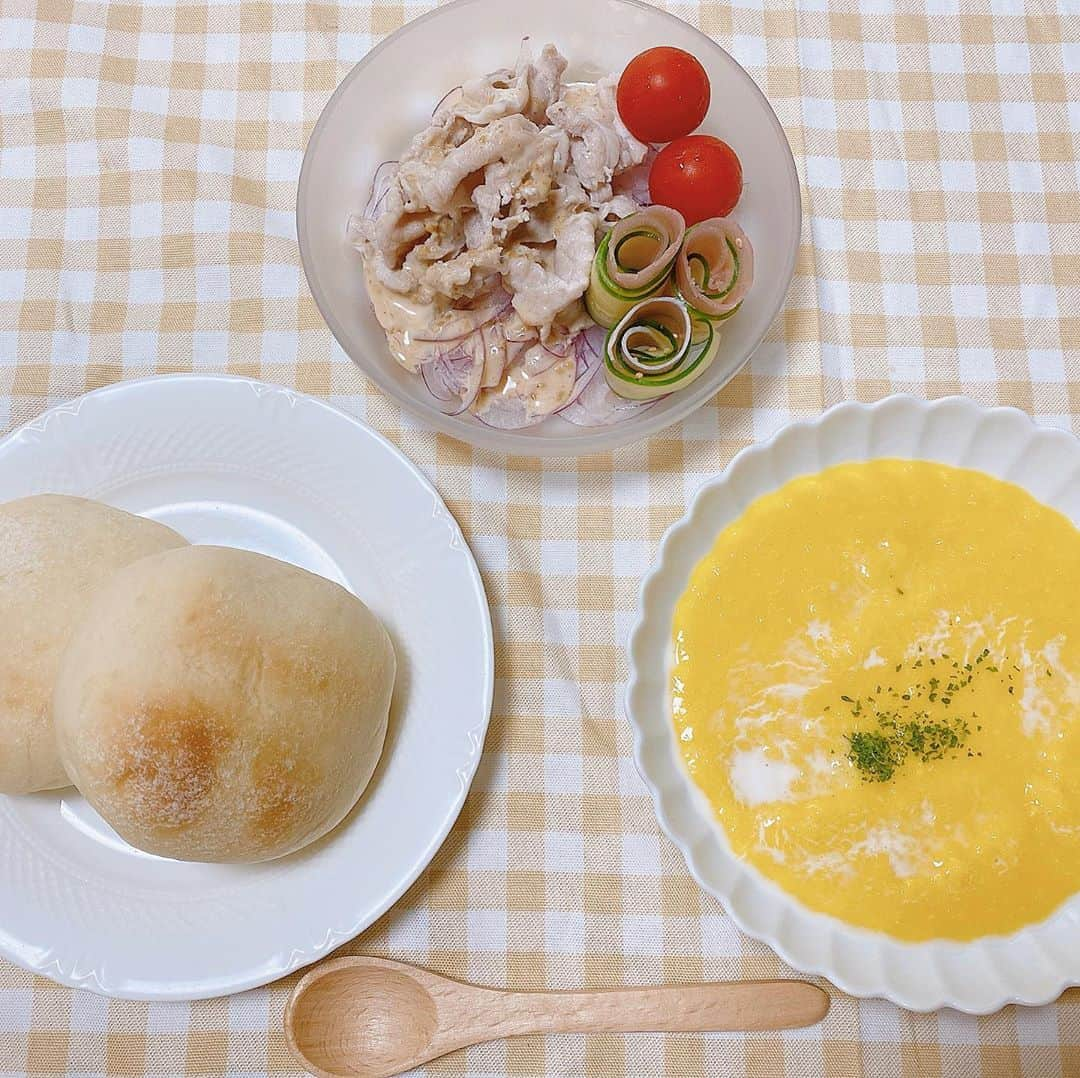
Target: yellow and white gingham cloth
148,158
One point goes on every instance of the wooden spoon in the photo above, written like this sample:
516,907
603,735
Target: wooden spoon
371,1018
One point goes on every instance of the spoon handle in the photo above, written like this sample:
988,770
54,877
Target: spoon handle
675,1008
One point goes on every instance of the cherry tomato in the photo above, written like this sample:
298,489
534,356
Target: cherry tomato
699,176
663,94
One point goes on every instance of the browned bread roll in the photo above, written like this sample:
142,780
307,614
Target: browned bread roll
54,552
219,705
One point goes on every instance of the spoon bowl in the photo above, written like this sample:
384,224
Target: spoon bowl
363,1013
372,1017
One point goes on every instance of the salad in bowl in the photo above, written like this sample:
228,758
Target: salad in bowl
555,255
516,260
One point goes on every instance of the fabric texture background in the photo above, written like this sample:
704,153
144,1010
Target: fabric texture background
148,160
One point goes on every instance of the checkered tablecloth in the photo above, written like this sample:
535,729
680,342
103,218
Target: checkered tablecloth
148,159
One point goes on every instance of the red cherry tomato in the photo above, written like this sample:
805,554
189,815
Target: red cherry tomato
699,176
663,94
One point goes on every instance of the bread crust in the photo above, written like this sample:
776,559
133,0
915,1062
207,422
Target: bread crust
55,551
220,705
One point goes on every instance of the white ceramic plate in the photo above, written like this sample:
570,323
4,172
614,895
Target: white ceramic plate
240,463
388,97
1031,966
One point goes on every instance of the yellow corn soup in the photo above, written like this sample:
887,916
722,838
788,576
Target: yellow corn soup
876,683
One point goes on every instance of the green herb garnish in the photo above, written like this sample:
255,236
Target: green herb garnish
878,753
904,730
873,754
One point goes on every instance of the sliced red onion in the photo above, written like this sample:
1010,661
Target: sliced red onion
588,355
515,329
444,100
561,348
594,405
380,184
560,343
506,413
454,332
536,358
516,349
445,375
589,349
412,355
634,182
453,374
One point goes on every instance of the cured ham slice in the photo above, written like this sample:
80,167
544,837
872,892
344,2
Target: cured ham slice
715,268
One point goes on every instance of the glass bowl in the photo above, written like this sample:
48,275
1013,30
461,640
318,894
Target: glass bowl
389,96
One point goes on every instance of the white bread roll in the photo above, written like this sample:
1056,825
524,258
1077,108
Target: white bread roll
54,552
219,705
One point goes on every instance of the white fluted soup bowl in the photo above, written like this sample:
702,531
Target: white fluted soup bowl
1031,966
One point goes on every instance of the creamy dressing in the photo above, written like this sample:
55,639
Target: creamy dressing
404,319
495,355
534,383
